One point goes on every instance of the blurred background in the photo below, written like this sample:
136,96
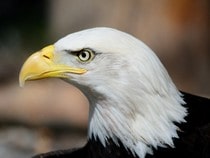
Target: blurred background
51,114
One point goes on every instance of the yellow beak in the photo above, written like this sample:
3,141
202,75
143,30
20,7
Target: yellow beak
41,65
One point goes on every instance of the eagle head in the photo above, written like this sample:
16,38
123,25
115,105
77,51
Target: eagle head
132,98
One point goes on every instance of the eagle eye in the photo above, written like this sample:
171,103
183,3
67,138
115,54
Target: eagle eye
85,55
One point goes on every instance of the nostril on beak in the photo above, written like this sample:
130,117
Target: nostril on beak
45,56
47,52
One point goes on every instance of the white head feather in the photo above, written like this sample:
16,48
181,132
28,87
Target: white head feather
132,98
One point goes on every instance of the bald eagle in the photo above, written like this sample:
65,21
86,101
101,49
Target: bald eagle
136,111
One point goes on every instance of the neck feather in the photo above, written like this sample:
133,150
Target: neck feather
140,122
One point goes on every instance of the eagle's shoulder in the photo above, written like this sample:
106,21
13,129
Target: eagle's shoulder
68,153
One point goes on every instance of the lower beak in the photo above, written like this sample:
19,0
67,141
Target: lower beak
41,65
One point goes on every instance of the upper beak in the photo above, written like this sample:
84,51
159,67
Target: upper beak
41,65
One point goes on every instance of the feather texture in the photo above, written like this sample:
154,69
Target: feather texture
135,108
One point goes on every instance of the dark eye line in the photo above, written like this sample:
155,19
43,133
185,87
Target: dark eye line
79,51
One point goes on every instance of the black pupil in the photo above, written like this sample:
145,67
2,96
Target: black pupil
84,54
